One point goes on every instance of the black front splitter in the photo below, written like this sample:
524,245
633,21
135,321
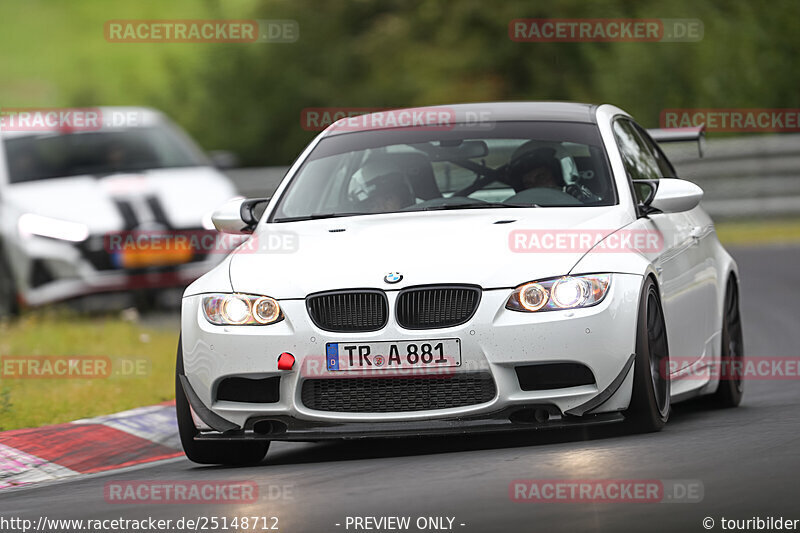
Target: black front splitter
285,428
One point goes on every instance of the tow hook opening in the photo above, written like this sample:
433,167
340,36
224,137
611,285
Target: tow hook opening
535,415
268,427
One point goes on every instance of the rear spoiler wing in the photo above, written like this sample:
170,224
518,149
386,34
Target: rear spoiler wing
677,135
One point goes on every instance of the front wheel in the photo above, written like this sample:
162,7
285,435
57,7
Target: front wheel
210,452
650,398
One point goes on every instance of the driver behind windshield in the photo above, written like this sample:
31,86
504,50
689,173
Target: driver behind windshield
541,169
389,192
536,169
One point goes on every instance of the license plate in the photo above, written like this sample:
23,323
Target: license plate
390,355
133,258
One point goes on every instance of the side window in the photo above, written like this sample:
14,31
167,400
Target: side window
639,160
664,166
640,164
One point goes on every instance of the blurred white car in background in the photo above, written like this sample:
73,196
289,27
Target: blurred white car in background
71,187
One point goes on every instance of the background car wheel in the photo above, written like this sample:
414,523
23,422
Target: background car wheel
8,289
650,398
731,385
204,452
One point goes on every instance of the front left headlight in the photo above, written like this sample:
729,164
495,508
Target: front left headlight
241,310
567,292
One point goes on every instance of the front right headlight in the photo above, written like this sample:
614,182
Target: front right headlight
567,292
241,310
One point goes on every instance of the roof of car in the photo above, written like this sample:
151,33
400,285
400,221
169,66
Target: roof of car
470,113
67,119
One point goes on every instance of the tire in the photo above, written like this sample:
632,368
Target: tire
731,386
650,399
9,306
210,452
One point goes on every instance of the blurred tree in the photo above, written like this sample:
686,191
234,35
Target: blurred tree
371,53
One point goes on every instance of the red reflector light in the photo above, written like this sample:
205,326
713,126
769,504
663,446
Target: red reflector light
285,361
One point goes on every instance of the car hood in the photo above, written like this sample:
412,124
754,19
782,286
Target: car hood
185,196
292,260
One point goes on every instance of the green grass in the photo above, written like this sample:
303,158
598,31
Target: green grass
54,53
142,368
759,232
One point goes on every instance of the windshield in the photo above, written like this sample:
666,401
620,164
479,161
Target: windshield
509,164
57,155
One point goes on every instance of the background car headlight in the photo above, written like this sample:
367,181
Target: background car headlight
64,230
241,310
568,292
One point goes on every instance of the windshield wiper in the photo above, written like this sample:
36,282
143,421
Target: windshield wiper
318,216
493,205
445,207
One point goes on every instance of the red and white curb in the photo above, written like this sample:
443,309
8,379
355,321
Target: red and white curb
89,446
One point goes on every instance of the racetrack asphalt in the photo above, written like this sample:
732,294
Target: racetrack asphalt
747,459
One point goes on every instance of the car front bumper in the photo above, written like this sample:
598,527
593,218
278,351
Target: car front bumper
50,270
495,340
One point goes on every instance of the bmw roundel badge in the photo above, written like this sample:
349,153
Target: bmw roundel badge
393,277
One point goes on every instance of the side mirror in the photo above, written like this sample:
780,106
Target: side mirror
672,195
239,216
223,159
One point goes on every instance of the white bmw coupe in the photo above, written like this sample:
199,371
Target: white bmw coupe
474,268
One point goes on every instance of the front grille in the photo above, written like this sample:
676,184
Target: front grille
436,306
349,311
397,394
40,274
